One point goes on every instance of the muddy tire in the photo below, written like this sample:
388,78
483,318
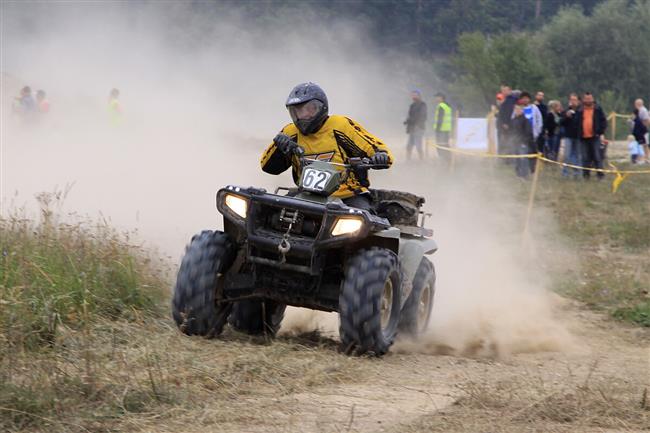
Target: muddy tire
416,313
194,305
369,303
257,317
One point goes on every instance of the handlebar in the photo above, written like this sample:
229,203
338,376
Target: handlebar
355,163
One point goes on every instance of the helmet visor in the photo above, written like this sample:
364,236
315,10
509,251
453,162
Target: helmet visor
305,111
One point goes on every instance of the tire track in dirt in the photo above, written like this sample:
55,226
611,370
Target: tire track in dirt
403,391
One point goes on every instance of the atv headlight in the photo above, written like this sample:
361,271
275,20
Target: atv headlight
347,226
237,204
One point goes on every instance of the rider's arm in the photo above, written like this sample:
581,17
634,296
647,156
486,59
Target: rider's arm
273,161
365,141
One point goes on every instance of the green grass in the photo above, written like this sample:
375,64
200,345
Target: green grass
86,342
609,234
55,272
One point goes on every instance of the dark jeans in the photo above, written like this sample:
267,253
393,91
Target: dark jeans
572,155
542,145
592,156
525,166
553,146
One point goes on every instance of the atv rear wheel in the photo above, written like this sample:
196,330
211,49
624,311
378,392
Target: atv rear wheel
370,300
194,304
416,313
257,317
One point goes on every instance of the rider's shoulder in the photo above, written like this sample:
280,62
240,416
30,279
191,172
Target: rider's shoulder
290,129
342,120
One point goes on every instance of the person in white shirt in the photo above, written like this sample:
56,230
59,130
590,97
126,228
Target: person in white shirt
644,117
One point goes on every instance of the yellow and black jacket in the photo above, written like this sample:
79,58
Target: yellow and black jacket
337,140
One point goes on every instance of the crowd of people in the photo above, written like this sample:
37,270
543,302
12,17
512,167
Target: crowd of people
526,126
28,108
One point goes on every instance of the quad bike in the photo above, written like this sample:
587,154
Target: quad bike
308,249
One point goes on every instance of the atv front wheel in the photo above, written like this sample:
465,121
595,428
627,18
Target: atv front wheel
416,313
257,317
194,305
370,302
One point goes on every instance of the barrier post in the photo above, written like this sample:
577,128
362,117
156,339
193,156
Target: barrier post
491,130
453,140
531,197
614,127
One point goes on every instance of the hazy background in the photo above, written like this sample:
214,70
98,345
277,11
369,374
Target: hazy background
202,95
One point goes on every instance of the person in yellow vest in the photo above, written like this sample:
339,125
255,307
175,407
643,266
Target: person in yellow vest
114,107
442,122
325,137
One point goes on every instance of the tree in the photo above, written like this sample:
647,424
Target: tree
605,53
484,63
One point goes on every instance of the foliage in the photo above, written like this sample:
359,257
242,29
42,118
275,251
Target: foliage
486,62
424,27
56,273
604,52
639,314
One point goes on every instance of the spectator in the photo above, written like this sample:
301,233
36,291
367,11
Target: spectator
592,124
43,105
553,125
644,118
442,123
532,114
416,124
572,153
543,110
25,104
114,106
503,119
521,136
639,131
635,149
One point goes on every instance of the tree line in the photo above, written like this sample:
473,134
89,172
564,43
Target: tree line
473,46
606,52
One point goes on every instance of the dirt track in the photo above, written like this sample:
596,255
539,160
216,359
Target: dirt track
411,392
302,384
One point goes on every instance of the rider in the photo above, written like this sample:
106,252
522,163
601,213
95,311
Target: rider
327,138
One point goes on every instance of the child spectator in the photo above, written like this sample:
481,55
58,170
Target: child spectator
42,104
635,149
639,131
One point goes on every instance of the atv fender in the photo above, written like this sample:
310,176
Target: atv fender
411,251
388,238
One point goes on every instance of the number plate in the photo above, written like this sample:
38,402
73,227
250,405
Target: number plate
314,179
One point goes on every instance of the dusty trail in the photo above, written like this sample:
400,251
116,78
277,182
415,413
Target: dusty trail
405,388
597,386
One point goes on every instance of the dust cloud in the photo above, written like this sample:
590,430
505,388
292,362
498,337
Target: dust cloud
202,91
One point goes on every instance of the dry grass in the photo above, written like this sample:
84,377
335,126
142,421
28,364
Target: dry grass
611,236
120,375
86,343
604,237
535,404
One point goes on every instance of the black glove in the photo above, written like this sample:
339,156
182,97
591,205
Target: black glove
380,158
284,143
